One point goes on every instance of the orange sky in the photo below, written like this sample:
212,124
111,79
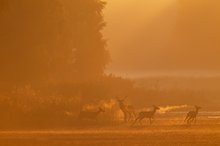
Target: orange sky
163,37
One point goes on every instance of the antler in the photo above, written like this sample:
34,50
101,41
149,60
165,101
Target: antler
122,99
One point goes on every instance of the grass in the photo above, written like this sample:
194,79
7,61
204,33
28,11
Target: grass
162,133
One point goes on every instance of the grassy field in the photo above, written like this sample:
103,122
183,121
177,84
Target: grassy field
205,133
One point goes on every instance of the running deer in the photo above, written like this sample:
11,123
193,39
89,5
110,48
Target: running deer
131,112
191,115
146,114
128,110
90,115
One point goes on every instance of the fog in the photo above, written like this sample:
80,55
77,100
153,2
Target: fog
109,72
163,37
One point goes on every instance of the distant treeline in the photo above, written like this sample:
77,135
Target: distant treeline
59,105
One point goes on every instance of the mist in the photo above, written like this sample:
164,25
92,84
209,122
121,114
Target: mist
109,72
163,37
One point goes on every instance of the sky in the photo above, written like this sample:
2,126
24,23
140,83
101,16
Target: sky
163,37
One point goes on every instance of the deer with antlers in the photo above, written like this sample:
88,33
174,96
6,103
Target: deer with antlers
128,110
191,115
146,114
90,115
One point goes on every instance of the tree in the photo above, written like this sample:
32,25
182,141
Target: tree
85,17
52,39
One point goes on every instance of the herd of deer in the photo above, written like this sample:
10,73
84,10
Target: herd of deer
129,113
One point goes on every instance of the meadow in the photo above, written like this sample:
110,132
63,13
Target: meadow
164,132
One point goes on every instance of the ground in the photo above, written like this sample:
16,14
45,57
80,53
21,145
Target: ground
204,133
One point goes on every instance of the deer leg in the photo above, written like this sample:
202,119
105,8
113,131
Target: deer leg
140,121
125,117
195,121
186,118
189,120
135,121
153,119
134,115
150,121
192,119
129,116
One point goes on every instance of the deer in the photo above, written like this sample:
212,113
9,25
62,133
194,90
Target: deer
146,114
131,112
128,110
191,115
90,115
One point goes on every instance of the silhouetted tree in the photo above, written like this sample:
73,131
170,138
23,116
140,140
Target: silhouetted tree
29,37
2,4
91,56
51,39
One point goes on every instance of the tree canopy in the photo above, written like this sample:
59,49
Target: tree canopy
43,40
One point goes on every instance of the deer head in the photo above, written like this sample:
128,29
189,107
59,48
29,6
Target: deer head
197,107
101,110
156,107
121,101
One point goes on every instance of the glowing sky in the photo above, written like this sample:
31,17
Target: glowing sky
162,36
